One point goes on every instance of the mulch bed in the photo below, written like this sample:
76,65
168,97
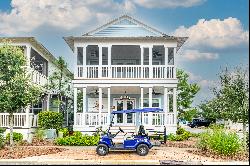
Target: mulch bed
22,152
243,156
181,144
36,142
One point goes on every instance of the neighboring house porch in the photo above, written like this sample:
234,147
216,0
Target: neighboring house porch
40,65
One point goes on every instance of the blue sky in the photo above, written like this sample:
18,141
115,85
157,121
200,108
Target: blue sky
218,30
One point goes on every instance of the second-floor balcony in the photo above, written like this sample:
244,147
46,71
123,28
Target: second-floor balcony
37,77
127,71
125,62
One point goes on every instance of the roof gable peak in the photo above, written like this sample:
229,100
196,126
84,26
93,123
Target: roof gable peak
124,26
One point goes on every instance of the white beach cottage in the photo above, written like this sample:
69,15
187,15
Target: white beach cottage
122,65
41,65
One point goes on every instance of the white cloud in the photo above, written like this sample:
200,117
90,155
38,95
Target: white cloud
207,83
215,34
167,3
208,37
193,77
195,55
27,15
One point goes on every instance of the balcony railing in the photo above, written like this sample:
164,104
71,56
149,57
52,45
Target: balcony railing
37,77
128,71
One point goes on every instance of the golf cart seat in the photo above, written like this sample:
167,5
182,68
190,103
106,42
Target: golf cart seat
120,137
142,131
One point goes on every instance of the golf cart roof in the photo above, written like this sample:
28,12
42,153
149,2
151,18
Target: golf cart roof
138,110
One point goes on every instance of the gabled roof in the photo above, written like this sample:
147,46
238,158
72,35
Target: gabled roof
124,26
38,46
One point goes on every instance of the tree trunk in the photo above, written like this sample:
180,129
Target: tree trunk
11,123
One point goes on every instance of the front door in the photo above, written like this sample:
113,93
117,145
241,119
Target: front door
124,119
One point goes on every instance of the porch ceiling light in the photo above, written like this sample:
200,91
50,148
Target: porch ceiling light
125,97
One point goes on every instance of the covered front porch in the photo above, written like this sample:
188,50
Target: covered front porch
93,106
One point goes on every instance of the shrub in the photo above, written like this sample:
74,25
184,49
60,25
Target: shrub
17,137
50,120
77,139
216,126
202,143
2,130
65,131
40,134
181,135
195,134
220,142
99,131
180,131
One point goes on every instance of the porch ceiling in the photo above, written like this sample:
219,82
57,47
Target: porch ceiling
122,89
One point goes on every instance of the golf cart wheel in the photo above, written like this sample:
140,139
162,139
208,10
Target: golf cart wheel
102,149
142,149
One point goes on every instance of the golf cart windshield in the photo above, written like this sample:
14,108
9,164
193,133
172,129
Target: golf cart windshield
137,110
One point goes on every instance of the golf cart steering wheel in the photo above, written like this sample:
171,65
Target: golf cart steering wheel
121,130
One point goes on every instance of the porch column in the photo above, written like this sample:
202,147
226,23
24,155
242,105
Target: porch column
150,62
75,63
108,116
48,100
150,118
75,105
142,115
174,106
109,62
28,53
100,62
27,111
83,104
84,74
142,52
100,106
166,62
165,104
174,72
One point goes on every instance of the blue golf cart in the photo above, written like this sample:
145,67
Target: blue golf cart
139,142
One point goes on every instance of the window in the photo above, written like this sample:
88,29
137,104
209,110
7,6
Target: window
36,108
79,56
155,102
92,54
145,103
158,52
171,56
104,55
146,56
38,63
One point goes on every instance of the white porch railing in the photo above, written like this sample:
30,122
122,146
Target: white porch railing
91,119
127,71
158,119
20,120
